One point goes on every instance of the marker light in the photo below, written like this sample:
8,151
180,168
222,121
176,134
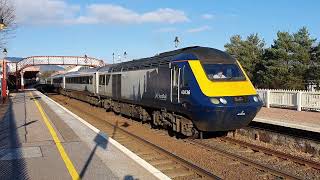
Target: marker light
256,99
223,100
214,100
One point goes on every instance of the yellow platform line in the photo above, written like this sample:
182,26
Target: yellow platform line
72,171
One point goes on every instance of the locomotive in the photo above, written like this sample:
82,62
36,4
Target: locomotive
187,91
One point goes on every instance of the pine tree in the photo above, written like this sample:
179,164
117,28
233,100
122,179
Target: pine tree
249,52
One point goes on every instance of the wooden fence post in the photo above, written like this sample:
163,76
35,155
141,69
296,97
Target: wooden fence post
299,94
268,99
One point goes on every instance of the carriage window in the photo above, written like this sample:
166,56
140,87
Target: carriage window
89,80
107,79
184,76
223,72
102,80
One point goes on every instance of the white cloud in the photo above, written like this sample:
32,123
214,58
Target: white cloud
108,13
164,15
167,29
44,11
198,29
59,11
207,16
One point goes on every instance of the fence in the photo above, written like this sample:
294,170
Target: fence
300,100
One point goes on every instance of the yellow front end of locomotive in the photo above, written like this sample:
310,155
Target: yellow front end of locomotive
221,88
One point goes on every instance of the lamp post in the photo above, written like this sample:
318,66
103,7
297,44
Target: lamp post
4,76
125,55
85,59
112,58
176,42
2,24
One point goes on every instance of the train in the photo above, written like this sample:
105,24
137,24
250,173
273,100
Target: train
189,91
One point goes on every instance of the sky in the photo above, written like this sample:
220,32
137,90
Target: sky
143,28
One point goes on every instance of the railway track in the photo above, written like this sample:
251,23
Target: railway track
279,172
247,161
168,163
179,168
256,148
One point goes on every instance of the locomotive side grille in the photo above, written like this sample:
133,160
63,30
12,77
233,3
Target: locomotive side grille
240,99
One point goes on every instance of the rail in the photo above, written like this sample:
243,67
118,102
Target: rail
300,100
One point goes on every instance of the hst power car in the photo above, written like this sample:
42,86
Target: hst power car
188,91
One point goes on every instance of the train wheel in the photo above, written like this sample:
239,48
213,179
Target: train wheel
196,134
180,136
171,132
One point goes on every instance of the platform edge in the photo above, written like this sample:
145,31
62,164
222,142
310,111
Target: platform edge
157,173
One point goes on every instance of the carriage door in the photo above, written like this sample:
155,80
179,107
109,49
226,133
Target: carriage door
116,86
175,84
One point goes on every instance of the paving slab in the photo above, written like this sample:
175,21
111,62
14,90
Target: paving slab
304,120
29,151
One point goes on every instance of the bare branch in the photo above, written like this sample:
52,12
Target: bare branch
7,13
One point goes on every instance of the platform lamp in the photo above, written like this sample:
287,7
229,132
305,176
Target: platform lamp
176,42
2,24
125,55
119,57
4,76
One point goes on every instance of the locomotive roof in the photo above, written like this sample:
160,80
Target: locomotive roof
204,54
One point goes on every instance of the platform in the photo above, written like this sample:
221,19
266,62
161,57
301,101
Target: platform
41,140
302,120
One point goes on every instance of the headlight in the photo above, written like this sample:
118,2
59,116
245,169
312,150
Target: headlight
256,99
223,100
214,100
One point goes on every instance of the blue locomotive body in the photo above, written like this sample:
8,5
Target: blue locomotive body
190,90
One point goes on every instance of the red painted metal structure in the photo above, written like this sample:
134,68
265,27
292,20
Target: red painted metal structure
4,81
17,68
55,60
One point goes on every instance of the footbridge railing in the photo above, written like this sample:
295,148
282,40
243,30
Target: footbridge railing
54,60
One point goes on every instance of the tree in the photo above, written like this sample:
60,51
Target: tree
277,62
7,14
249,52
313,72
286,63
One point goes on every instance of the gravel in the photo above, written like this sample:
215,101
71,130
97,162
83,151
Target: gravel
218,164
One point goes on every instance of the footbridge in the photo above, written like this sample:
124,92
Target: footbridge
54,60
19,68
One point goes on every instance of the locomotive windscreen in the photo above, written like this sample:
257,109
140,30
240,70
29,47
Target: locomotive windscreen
223,72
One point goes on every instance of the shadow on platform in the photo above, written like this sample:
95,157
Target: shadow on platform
100,141
12,166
